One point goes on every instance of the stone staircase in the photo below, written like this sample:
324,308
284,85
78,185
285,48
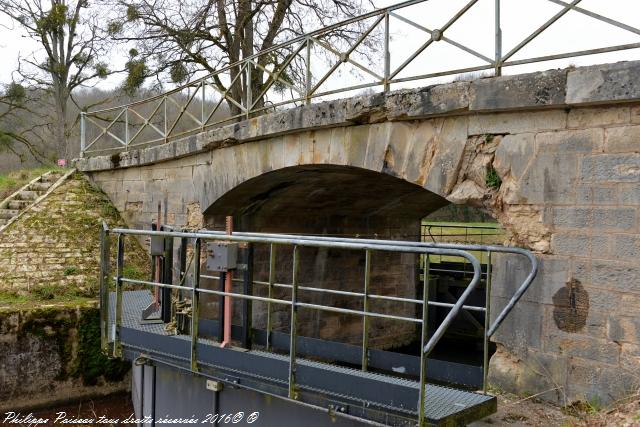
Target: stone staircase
21,200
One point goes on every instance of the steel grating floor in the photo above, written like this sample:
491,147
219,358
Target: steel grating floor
444,405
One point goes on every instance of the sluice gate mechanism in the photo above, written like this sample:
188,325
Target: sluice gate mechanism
247,328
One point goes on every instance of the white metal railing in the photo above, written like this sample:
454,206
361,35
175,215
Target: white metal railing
197,105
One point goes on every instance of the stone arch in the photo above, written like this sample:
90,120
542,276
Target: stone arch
333,200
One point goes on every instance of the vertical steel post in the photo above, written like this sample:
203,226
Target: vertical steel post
307,89
164,99
83,137
221,300
498,40
365,308
104,288
424,337
272,279
202,107
247,306
182,272
294,315
195,305
249,93
487,320
117,345
126,126
387,54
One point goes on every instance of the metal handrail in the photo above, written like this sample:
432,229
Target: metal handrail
296,242
310,90
460,246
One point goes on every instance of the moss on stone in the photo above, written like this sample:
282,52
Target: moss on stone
75,334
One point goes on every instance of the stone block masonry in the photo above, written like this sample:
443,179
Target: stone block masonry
51,252
49,331
564,145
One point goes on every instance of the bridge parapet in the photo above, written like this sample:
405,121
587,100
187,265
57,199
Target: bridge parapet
349,56
555,89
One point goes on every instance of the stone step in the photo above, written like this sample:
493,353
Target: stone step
8,213
27,195
3,221
52,177
19,204
40,186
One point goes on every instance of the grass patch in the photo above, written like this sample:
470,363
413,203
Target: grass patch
12,181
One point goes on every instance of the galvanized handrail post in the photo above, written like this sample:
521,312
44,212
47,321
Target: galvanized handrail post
83,137
487,323
387,53
195,305
424,336
498,40
272,280
164,99
365,309
117,344
307,83
248,86
293,325
104,287
126,126
202,116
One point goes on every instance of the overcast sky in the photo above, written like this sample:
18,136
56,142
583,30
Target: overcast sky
475,30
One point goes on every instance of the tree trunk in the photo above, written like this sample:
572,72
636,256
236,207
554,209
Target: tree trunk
60,123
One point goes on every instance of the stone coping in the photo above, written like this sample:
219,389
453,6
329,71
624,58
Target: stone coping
565,88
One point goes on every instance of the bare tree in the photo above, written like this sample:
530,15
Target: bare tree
17,134
70,40
175,40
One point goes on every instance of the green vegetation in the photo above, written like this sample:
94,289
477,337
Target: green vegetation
65,327
73,218
12,181
493,179
486,233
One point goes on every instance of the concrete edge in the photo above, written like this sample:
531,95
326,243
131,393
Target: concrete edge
552,89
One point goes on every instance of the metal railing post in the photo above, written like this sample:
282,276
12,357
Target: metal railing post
117,344
487,321
387,54
294,316
423,338
195,305
126,127
247,306
365,309
164,99
498,40
202,117
249,93
104,288
307,88
272,280
83,137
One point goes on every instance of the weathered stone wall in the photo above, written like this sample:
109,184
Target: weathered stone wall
564,144
49,330
52,250
391,274
52,355
582,332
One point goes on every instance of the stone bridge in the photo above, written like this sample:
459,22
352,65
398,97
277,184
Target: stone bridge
553,156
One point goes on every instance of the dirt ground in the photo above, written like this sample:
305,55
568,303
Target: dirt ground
516,411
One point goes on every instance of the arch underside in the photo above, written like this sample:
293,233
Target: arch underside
339,201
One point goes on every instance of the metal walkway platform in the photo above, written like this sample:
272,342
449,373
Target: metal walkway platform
370,396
